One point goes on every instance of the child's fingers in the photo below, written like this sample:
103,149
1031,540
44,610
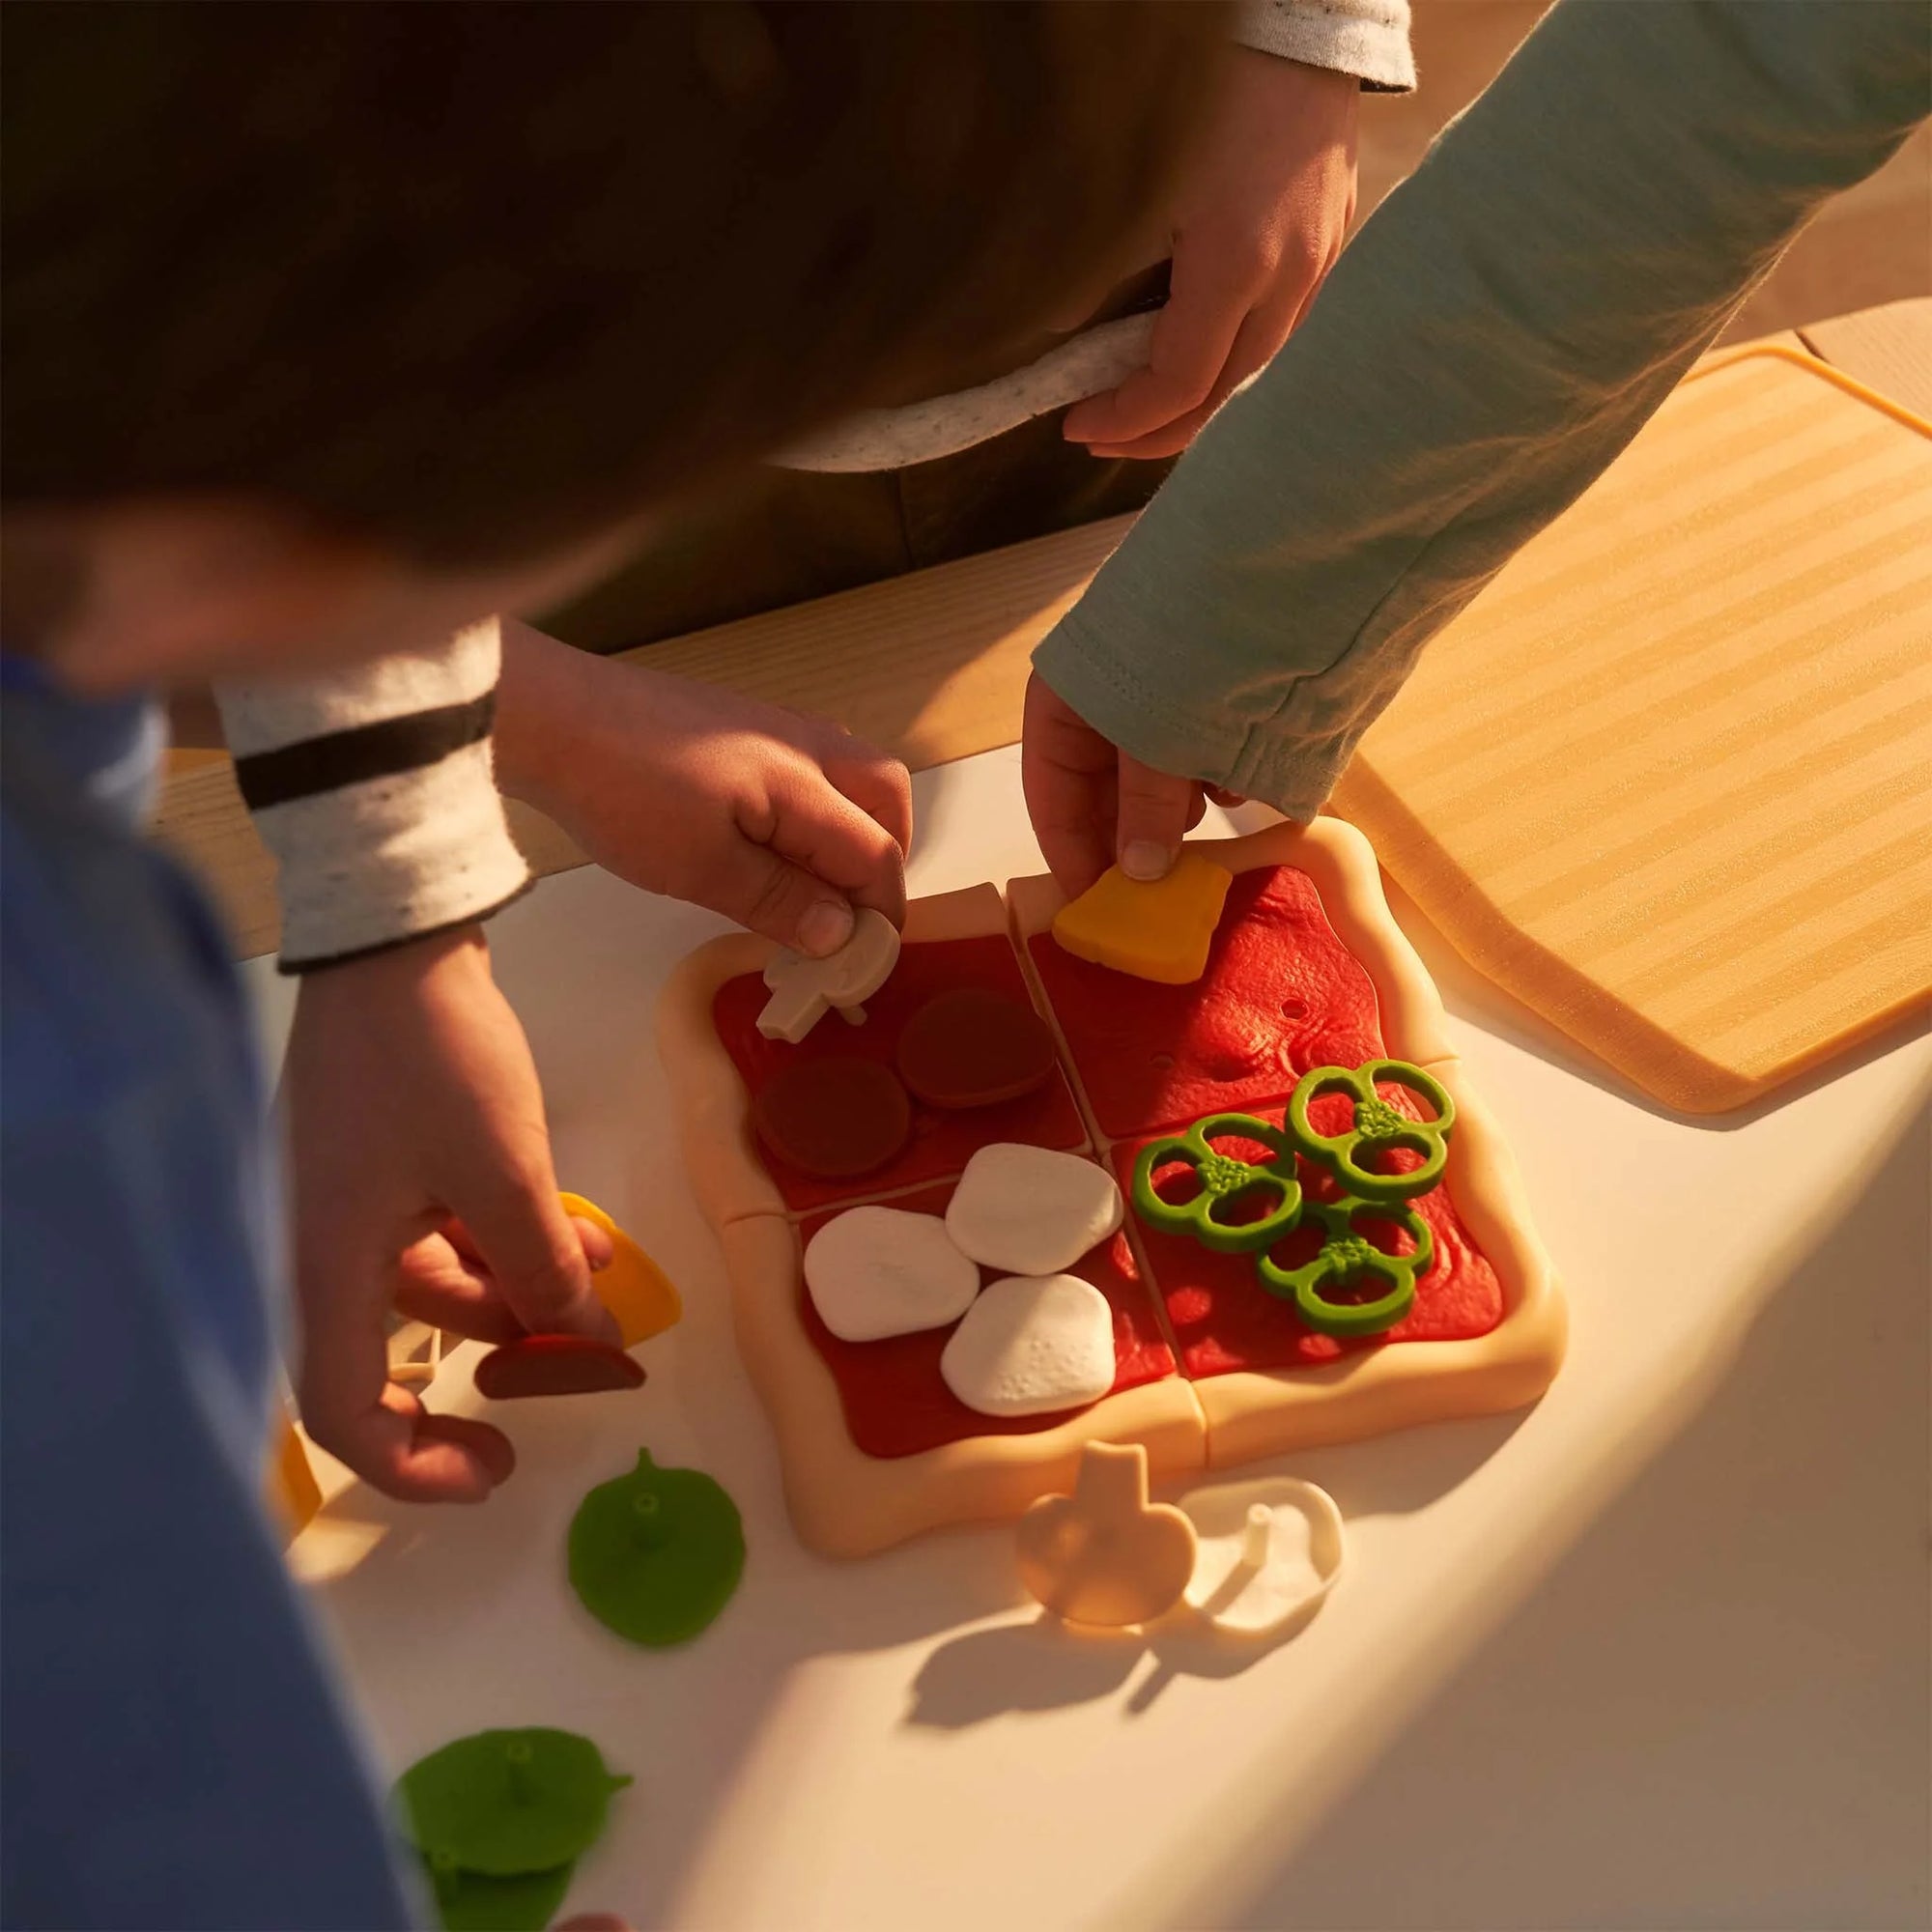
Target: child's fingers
387,1437
1215,284
1069,773
879,785
535,1252
1261,333
1155,814
806,859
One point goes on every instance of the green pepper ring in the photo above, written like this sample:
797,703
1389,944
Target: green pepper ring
1221,1179
1377,1125
1345,1256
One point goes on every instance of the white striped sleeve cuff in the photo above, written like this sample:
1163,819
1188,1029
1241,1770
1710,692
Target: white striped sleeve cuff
374,791
1368,39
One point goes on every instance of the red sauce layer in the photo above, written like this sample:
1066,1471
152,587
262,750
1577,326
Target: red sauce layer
895,1401
943,1140
1281,994
1224,1320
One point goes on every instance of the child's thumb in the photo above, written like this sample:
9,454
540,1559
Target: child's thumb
783,901
1153,815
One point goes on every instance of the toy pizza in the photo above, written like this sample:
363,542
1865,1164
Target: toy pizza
1190,1166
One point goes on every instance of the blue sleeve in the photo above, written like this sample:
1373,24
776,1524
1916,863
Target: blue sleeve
172,1746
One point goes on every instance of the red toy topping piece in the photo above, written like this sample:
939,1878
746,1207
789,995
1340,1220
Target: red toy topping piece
972,1047
835,1118
894,1398
555,1365
943,1140
1281,993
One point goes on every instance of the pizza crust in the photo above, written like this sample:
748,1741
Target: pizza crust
1405,1383
1251,1415
846,1503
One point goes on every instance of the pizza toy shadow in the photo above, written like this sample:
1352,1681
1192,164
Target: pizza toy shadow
1046,1664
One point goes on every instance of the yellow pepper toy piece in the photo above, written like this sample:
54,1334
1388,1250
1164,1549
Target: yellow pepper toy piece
1158,930
633,1288
294,1493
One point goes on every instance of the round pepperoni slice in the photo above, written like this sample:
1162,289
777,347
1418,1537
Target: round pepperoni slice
834,1117
973,1048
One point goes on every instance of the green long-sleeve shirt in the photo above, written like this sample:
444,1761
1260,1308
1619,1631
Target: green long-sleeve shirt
1499,331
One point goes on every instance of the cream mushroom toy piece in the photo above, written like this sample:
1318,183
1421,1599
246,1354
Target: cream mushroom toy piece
804,990
1105,1556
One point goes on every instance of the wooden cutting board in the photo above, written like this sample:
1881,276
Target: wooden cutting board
1668,780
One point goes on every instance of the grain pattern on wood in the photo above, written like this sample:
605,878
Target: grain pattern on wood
1887,349
1668,780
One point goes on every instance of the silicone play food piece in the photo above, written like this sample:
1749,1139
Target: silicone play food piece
630,1285
803,989
503,1802
294,1493
1030,1345
1346,1258
656,1554
837,1119
1029,1210
879,1272
1105,1555
468,1901
1269,1550
718,1001
555,1365
1158,930
974,1049
893,1399
1223,1185
1376,1129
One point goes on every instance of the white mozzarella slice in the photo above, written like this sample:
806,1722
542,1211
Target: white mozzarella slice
1030,1345
1029,1210
879,1272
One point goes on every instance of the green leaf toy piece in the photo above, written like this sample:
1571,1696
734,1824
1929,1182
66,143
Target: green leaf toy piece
1347,1257
1376,1127
656,1554
468,1901
1223,1182
507,1802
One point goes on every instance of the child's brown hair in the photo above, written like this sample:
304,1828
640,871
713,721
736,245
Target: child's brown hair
478,280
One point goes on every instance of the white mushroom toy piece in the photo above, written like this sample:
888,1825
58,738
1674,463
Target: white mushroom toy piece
805,989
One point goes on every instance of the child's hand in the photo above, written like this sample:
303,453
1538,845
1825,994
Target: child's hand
1093,805
781,822
1257,224
422,1184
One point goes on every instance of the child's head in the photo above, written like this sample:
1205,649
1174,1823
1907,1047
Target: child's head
327,326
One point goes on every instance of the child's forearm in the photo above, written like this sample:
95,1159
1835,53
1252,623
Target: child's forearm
1500,331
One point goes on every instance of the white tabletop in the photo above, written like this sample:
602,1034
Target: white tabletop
1654,1653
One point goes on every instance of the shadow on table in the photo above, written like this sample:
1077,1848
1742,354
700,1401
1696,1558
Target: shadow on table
1042,1665
1714,1709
